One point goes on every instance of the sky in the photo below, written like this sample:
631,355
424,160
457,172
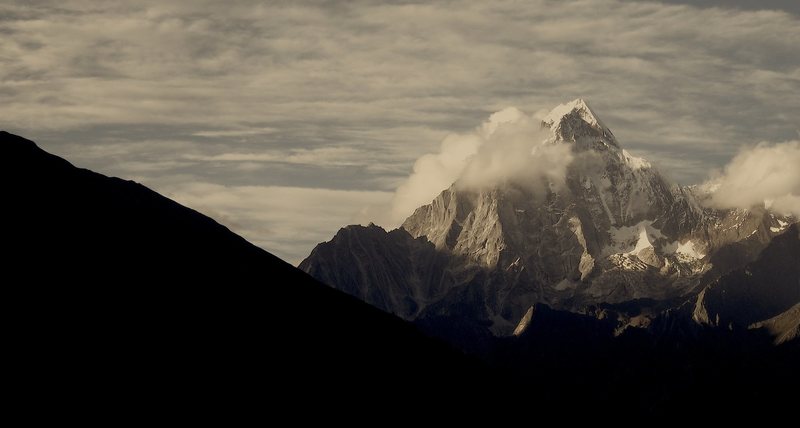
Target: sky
288,120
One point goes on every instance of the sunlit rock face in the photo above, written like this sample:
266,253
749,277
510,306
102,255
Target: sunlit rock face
612,230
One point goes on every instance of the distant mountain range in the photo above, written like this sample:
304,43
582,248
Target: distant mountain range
616,259
618,232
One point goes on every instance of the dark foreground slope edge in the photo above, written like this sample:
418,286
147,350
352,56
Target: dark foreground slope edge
128,298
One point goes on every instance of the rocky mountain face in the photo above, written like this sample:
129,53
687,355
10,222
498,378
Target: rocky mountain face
617,231
766,288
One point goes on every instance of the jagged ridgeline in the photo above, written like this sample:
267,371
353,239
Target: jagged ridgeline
615,233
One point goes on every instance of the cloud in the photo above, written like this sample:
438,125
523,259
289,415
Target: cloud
786,5
671,78
515,149
433,173
319,156
234,132
287,221
768,174
509,147
349,95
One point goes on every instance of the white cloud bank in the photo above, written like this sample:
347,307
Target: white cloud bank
509,147
350,94
766,174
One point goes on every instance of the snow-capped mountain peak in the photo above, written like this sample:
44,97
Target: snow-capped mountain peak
577,106
575,119
613,231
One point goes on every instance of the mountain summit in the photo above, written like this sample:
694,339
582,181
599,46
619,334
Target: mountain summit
615,231
565,120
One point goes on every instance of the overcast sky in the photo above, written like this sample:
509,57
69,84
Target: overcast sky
285,122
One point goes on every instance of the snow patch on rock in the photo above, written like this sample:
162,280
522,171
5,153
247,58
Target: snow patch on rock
634,162
630,240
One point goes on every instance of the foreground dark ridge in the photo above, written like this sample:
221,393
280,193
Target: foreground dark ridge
125,290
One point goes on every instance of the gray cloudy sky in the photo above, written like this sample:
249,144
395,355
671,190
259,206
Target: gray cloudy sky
286,120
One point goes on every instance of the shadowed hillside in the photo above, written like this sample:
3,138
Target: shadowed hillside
123,289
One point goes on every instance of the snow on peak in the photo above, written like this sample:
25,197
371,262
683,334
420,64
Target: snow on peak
578,106
635,162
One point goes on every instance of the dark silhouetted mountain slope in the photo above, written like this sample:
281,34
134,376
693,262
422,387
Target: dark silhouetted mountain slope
126,295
